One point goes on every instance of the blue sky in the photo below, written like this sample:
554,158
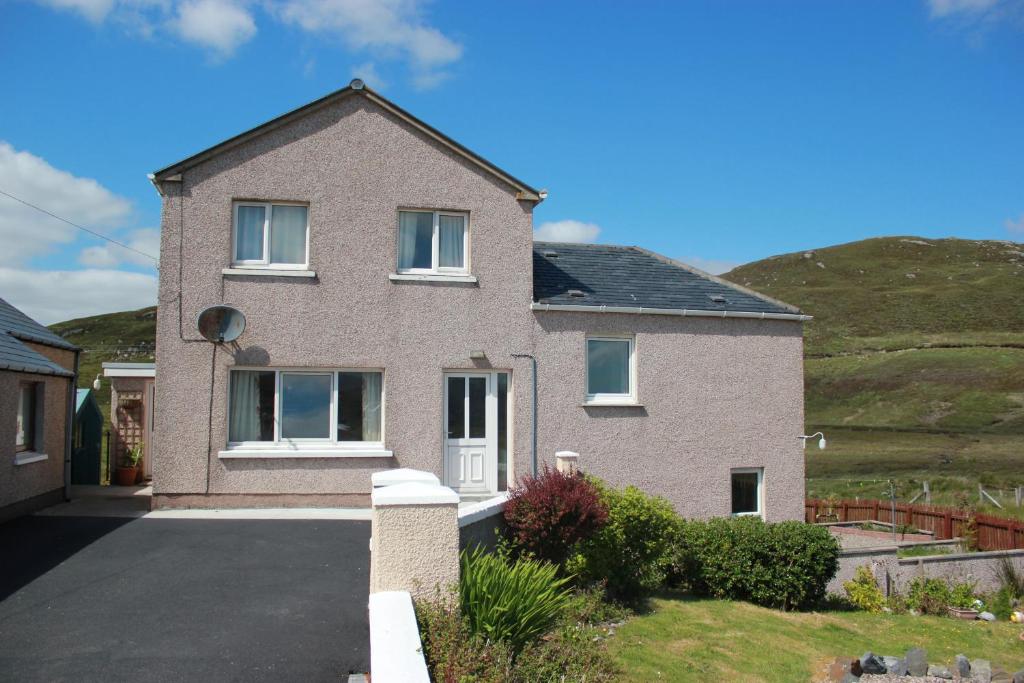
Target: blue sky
714,132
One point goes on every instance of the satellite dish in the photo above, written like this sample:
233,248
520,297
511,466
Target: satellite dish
221,324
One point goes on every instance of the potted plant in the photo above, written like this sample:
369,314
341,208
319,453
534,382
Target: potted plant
127,471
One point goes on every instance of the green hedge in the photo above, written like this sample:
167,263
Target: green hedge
784,565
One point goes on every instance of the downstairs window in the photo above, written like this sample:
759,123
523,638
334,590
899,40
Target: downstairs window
296,406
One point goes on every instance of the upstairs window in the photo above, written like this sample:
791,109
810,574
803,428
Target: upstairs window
610,370
271,235
432,242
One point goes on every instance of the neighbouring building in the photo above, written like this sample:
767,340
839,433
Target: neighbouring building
132,390
38,371
396,304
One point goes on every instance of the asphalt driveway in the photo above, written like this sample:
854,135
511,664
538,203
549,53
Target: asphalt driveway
91,599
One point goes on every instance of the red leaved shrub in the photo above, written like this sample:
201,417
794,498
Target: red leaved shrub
549,513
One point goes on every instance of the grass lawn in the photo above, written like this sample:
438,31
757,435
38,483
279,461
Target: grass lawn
718,640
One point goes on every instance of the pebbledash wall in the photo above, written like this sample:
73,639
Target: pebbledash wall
356,164
35,484
715,393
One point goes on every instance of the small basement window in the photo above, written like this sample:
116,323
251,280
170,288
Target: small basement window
747,491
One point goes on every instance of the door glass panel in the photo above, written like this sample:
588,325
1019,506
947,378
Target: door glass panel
456,407
477,407
502,431
305,406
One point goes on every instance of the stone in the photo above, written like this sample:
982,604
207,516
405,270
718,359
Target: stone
850,678
981,671
840,668
917,662
962,666
937,671
870,663
896,666
1018,677
987,616
1000,676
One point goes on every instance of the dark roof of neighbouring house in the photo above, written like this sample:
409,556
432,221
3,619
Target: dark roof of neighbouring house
630,277
166,173
15,328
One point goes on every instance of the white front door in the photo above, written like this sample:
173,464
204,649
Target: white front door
470,423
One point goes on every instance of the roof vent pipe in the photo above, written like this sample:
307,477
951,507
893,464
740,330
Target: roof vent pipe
357,84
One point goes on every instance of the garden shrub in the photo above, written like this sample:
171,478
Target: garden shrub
632,554
454,654
863,592
784,565
514,603
548,514
932,595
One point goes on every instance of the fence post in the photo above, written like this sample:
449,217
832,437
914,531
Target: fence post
947,524
1019,494
874,511
927,493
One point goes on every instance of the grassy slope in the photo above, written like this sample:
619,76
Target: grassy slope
912,377
718,640
128,336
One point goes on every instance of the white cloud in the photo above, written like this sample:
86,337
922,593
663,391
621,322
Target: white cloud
566,231
146,240
387,29
1015,226
93,10
53,296
710,265
369,74
218,25
945,8
24,231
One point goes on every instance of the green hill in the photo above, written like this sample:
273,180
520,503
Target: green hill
127,337
914,361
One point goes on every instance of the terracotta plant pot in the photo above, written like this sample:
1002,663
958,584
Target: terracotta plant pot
125,476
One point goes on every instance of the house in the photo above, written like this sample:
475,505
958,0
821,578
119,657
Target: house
38,373
132,387
399,315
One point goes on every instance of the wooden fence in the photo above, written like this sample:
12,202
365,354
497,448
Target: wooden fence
993,533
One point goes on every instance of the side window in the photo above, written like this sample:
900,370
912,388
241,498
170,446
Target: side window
747,491
267,235
28,435
610,370
433,242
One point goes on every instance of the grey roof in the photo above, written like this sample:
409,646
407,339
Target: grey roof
630,277
16,327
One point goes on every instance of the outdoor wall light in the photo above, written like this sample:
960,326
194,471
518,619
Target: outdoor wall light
477,355
821,441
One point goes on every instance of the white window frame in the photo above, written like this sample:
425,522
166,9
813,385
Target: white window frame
265,263
759,471
604,398
435,256
307,447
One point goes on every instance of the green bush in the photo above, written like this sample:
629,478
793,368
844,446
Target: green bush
863,591
933,596
454,654
632,554
784,565
512,603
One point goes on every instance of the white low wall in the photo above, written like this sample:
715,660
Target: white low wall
396,653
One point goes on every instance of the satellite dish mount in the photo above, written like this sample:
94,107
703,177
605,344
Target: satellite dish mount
220,324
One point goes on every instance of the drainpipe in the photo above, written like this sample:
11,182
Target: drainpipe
69,429
533,421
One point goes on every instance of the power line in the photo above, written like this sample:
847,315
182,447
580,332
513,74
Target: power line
76,225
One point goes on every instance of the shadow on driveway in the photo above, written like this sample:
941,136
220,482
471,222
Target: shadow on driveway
91,599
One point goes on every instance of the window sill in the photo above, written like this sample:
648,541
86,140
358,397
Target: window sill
25,457
612,404
432,277
268,272
310,451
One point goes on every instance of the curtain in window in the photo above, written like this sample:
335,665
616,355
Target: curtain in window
371,406
244,422
249,233
415,239
288,234
452,242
